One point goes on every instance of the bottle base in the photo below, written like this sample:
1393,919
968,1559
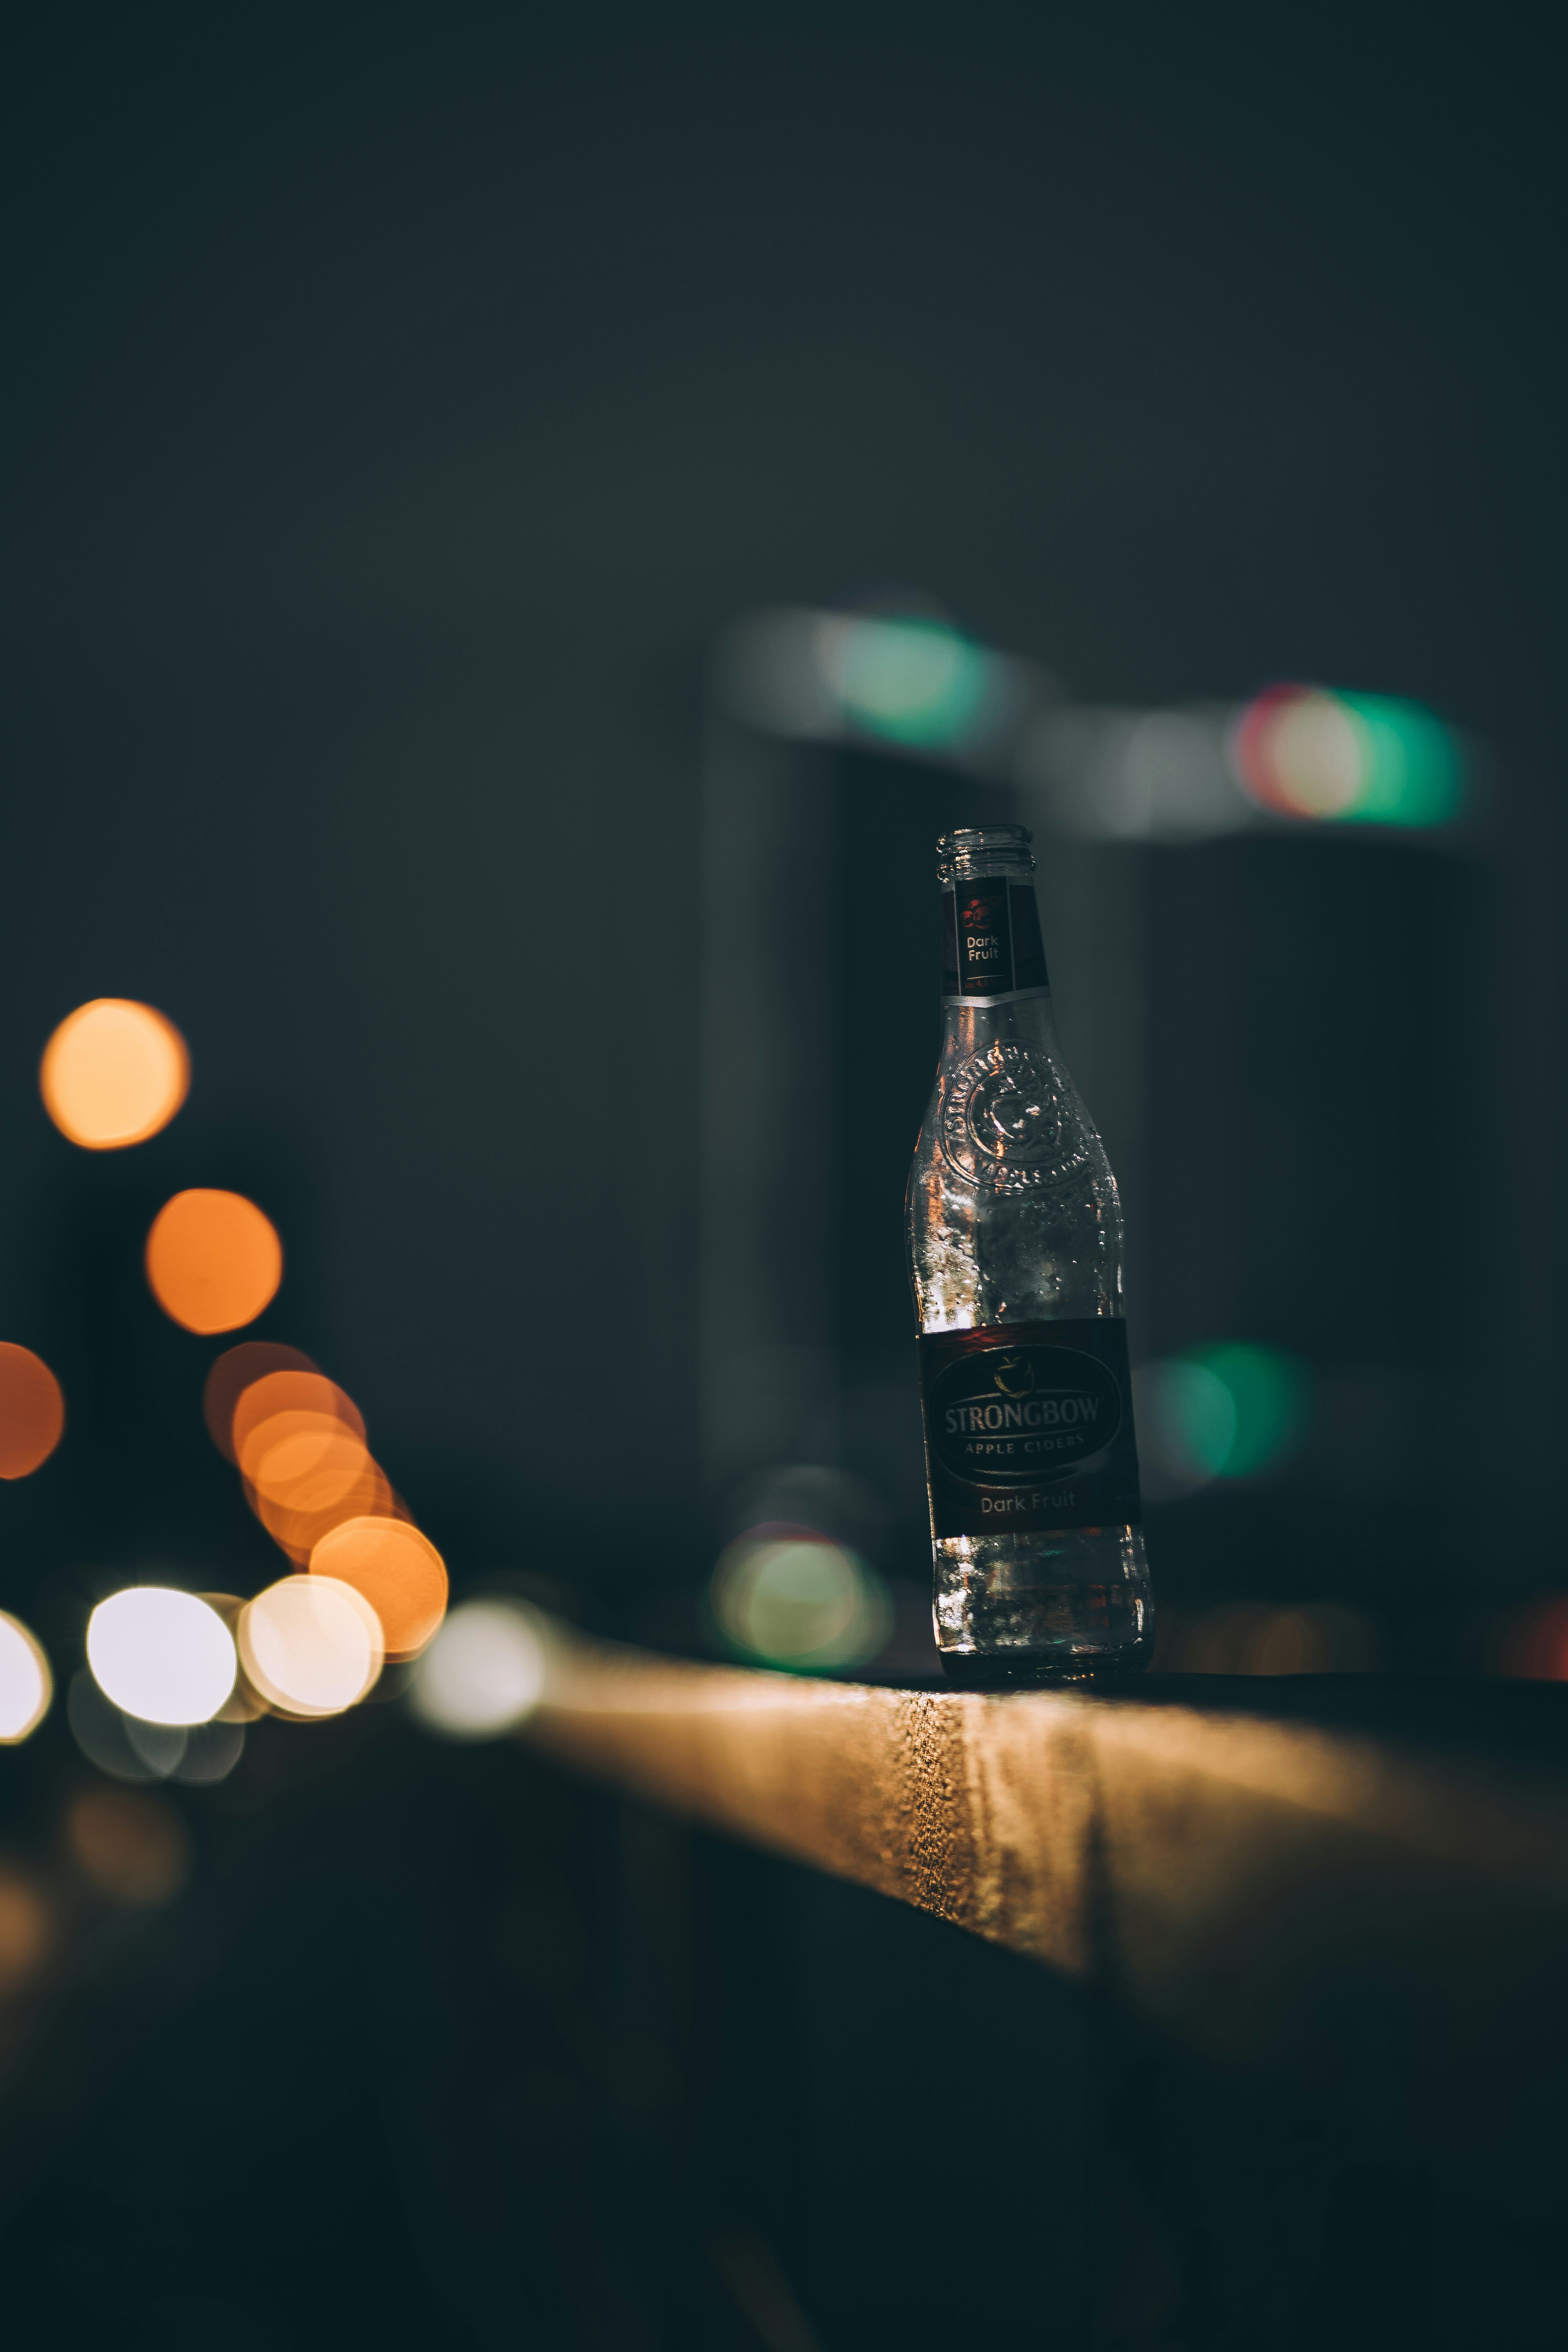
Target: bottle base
1002,1670
1023,1612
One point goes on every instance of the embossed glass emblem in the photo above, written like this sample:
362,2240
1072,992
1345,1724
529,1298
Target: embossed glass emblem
1004,1124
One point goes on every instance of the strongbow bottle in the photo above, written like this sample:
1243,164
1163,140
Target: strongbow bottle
1015,1247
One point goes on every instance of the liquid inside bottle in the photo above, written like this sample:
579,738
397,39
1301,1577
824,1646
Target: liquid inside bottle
1016,1253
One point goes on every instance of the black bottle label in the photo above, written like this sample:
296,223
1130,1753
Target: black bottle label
1029,1427
991,940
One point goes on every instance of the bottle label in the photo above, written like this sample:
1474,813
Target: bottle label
1029,1427
991,939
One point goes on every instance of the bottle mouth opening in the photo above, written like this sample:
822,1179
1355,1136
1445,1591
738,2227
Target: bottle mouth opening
975,850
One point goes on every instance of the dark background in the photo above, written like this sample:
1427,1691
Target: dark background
395,406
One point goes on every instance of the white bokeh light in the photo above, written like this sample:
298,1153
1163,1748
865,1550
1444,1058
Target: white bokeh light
161,1655
792,1599
26,1684
311,1645
483,1673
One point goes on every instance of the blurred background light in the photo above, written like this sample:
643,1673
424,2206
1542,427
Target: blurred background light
306,1460
1100,775
483,1673
161,1655
133,1848
1186,1419
902,676
26,1685
1227,1409
32,1410
26,1929
298,1389
1194,772
1255,1637
1364,758
300,1443
913,681
1532,1642
128,1747
212,1752
396,1568
237,1370
213,1260
113,1073
104,1735
242,1704
788,1597
312,1645
298,1532
910,682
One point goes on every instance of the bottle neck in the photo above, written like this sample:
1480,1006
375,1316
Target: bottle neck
992,952
971,1025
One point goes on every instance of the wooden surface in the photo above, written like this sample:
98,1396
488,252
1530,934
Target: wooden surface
1271,1890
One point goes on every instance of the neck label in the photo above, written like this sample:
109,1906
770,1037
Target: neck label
991,939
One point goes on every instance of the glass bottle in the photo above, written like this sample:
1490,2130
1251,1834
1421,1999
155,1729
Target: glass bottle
1015,1252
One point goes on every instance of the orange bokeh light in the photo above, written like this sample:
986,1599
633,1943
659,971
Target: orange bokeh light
113,1073
298,1532
213,1260
233,1372
398,1571
299,1444
32,1410
306,1460
290,1391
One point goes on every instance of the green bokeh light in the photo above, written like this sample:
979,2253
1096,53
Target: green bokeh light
1195,1419
1239,1409
1412,773
914,681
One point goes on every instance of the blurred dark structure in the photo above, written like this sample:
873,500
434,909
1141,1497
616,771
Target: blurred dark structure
399,407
